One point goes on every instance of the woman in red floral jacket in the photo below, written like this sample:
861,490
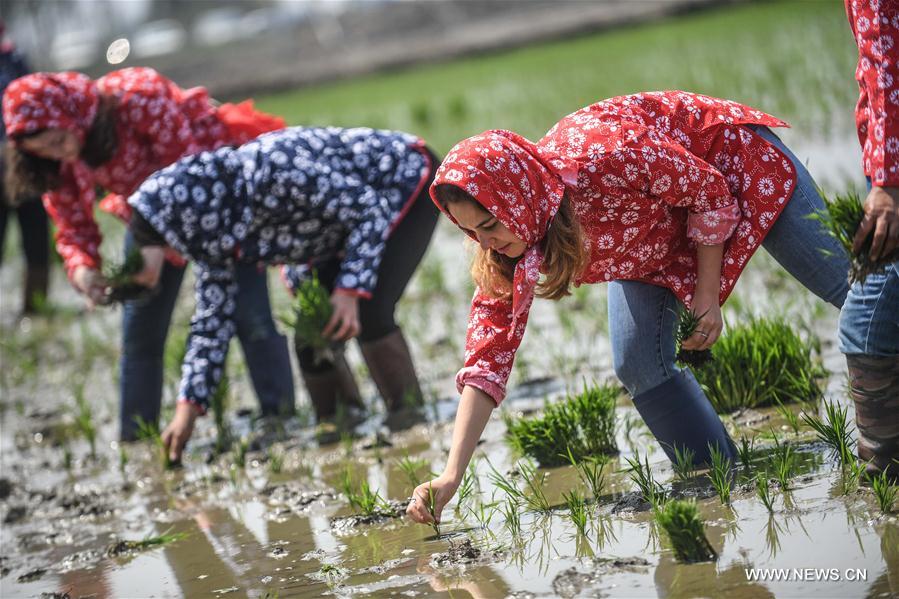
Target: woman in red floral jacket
69,135
666,196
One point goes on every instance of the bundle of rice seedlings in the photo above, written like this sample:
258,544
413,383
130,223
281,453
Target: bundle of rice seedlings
840,219
760,363
687,322
681,522
119,278
582,425
311,312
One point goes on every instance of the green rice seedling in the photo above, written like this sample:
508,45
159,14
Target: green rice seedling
582,424
311,312
331,573
484,513
684,463
687,323
147,431
641,475
759,363
361,496
590,471
123,459
512,517
275,461
684,528
789,416
719,474
852,473
534,482
763,491
432,509
410,467
467,487
505,484
746,451
884,491
148,542
240,452
835,432
219,402
577,510
840,219
119,278
84,418
783,461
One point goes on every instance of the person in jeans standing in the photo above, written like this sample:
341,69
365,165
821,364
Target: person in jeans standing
869,320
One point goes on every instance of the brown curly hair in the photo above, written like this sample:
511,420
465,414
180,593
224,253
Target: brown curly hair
28,175
564,253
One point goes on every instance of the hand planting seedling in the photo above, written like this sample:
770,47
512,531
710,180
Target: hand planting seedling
687,322
147,431
841,219
120,278
582,425
311,312
681,522
432,509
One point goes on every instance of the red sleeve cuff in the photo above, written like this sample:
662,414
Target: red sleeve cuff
200,407
488,382
354,292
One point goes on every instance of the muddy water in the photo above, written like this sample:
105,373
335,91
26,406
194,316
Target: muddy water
254,533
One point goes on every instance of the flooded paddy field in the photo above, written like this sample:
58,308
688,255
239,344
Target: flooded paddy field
268,513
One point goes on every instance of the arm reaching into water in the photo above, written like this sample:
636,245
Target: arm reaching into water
472,416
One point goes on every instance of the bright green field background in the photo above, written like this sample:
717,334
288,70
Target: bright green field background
793,59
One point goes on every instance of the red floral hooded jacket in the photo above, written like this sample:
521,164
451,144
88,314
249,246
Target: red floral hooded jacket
157,123
649,175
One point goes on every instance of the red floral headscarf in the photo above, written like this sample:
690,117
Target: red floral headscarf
39,101
520,185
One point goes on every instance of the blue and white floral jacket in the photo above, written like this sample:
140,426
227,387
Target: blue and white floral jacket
299,196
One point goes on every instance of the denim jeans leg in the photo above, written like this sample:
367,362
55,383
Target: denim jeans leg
869,320
799,243
642,320
145,325
265,350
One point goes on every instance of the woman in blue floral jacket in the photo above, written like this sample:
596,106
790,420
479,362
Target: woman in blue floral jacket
350,203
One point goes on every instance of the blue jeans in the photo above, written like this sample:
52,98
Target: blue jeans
869,320
145,324
642,317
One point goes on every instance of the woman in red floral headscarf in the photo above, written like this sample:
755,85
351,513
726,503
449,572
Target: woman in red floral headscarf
69,135
666,196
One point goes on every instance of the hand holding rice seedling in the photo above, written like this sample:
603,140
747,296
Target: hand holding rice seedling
312,310
687,323
120,278
841,219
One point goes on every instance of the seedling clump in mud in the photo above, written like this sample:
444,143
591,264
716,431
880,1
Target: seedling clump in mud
581,426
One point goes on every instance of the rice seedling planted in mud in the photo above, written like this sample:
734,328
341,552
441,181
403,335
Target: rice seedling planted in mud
511,517
582,425
641,475
577,510
84,418
840,219
534,482
684,464
759,363
687,322
590,471
791,418
783,462
467,487
240,452
147,431
484,513
852,473
684,528
884,491
124,547
361,496
763,491
719,474
746,451
834,432
275,460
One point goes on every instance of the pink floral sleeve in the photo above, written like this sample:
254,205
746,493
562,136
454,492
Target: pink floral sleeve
670,172
490,346
71,206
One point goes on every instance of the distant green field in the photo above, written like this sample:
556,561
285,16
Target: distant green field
793,59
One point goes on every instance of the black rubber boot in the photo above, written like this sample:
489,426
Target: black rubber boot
679,415
268,362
